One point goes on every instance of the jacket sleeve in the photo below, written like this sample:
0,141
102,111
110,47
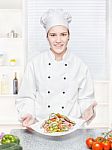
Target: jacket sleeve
86,91
26,97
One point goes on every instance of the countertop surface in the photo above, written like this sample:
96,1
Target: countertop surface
73,141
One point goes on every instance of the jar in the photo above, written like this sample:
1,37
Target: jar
12,62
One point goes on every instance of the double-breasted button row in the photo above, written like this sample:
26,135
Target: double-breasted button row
50,64
50,92
50,77
50,106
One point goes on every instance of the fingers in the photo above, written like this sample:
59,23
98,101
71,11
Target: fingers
93,113
89,112
25,117
90,120
27,120
94,104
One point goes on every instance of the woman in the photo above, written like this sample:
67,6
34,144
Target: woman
56,80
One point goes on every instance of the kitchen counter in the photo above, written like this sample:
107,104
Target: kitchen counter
72,141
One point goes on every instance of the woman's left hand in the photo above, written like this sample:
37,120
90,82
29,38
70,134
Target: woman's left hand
89,113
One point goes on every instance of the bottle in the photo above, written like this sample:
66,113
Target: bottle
15,84
4,85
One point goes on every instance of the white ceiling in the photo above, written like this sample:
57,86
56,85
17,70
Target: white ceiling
11,4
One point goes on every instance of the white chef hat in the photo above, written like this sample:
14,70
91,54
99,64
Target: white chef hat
55,17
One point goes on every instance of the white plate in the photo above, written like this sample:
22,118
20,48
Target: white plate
37,128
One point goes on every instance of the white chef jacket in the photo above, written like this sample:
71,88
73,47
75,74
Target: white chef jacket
51,86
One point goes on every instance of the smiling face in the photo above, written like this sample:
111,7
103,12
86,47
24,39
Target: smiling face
58,39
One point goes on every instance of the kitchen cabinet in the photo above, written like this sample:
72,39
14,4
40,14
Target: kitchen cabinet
12,59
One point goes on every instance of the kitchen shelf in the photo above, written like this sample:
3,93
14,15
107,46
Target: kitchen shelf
11,67
10,39
12,4
9,122
8,95
13,45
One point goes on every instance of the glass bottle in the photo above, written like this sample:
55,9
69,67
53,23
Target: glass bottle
4,85
15,84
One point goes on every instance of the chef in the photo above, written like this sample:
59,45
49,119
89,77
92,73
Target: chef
56,81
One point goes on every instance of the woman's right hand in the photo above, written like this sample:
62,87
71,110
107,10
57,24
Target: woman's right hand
27,120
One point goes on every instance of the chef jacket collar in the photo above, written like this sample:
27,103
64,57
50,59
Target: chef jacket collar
65,56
